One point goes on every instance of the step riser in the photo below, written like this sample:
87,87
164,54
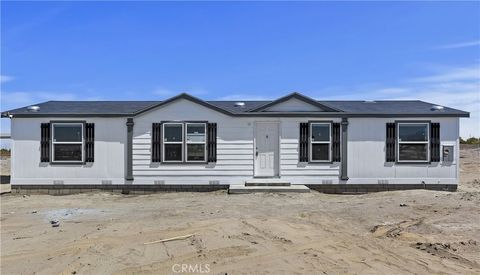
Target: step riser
243,191
239,189
267,184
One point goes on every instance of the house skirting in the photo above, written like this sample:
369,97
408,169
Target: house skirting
368,188
139,189
134,189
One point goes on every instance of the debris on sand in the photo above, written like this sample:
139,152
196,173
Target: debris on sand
55,223
171,239
403,205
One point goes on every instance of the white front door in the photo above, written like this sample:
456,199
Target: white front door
266,149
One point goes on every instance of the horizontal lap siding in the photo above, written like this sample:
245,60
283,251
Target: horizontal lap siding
235,154
289,156
234,146
233,159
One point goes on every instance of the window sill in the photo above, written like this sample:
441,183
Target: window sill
68,162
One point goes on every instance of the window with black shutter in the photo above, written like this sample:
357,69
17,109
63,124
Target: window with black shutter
435,142
68,141
184,142
413,141
303,139
156,142
212,142
336,142
391,137
45,142
89,142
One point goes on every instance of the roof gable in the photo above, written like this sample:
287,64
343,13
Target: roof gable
295,102
186,97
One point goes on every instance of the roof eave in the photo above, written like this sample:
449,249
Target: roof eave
253,114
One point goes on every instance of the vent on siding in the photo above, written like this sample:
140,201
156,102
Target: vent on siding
214,182
58,182
106,182
327,181
158,182
382,181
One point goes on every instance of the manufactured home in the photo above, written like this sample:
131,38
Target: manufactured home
188,144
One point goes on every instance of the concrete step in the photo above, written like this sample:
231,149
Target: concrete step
240,189
267,182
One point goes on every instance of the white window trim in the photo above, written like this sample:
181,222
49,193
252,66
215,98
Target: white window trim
172,142
196,142
320,142
68,142
427,142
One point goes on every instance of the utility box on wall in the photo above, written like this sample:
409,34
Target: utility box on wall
447,153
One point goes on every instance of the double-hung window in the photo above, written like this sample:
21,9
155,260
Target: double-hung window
67,142
413,142
184,142
196,142
320,142
172,142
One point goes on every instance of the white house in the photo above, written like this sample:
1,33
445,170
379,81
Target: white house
185,143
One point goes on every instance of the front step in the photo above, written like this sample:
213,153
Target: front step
240,189
267,182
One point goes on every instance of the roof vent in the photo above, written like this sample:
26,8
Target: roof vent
436,108
33,108
240,104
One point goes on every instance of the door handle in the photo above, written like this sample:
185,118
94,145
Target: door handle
256,151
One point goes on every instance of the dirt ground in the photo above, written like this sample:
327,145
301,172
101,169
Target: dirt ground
314,233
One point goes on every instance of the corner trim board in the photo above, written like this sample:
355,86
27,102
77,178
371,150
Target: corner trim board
343,148
129,159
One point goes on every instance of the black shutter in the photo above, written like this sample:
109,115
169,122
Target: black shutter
212,142
391,141
156,142
89,142
434,142
304,137
45,142
336,142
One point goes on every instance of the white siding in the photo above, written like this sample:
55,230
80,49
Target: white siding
366,154
293,105
109,164
235,149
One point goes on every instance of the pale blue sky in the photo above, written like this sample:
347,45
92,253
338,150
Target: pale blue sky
249,50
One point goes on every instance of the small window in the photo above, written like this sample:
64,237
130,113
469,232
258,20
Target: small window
172,142
320,141
413,142
196,142
67,142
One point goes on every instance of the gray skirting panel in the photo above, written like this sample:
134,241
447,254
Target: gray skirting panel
115,188
368,188
148,188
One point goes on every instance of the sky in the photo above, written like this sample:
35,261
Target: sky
241,50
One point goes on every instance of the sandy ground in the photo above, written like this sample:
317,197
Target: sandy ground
101,233
4,166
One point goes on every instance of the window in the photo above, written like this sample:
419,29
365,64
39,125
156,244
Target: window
196,142
413,142
67,142
184,141
320,141
172,142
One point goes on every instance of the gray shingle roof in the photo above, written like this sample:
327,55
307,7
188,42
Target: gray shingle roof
251,108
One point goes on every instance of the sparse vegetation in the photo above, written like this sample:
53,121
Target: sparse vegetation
471,140
5,152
